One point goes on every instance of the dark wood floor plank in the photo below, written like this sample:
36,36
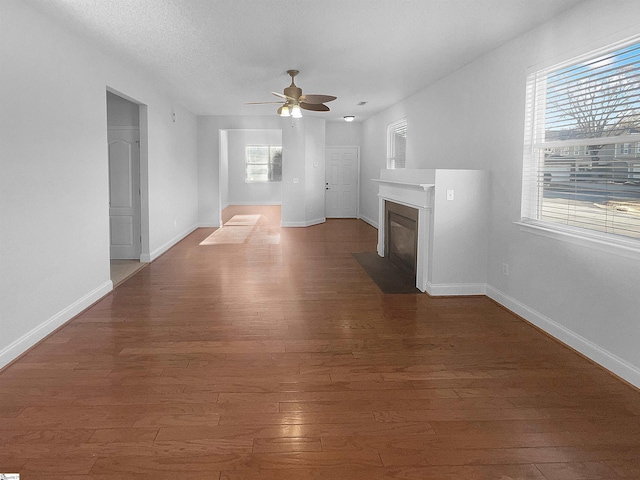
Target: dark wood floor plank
577,471
285,361
476,472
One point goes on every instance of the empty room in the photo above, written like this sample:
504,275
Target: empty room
318,240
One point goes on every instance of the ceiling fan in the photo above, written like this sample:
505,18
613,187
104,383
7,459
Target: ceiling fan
294,100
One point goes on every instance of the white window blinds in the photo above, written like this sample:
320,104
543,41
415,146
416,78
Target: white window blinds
582,143
397,144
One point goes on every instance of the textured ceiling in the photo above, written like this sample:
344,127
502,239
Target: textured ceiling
214,55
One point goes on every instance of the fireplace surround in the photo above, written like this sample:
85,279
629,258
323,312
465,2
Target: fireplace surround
415,197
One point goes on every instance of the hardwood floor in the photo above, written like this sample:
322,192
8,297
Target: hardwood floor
284,361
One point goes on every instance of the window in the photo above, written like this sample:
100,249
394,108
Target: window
263,163
396,144
581,173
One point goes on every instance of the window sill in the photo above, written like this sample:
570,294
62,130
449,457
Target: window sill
604,243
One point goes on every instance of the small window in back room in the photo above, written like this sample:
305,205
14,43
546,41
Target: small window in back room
397,144
263,163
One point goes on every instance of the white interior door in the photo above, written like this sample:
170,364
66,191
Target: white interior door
341,164
124,193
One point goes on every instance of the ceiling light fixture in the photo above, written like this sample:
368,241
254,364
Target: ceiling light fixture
349,118
284,111
296,112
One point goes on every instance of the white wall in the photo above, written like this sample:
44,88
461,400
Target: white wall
303,172
293,210
241,192
315,170
343,134
459,232
224,169
474,118
373,158
54,230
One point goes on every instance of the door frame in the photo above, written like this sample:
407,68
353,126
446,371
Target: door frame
143,126
326,149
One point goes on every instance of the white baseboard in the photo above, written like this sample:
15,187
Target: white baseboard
29,339
603,357
160,250
308,223
445,290
373,223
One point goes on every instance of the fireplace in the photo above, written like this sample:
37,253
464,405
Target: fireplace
405,199
401,232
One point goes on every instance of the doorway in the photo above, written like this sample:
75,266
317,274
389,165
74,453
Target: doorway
342,171
125,186
236,186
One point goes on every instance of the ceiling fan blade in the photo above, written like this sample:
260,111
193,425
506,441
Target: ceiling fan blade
286,97
316,107
260,103
317,98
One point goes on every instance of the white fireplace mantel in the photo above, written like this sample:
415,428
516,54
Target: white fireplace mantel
410,185
413,194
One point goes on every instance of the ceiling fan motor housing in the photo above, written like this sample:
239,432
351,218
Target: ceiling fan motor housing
293,92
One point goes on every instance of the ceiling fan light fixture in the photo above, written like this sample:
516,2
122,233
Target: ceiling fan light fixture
296,112
284,111
349,118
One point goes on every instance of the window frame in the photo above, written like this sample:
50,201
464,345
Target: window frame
530,220
269,163
396,159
